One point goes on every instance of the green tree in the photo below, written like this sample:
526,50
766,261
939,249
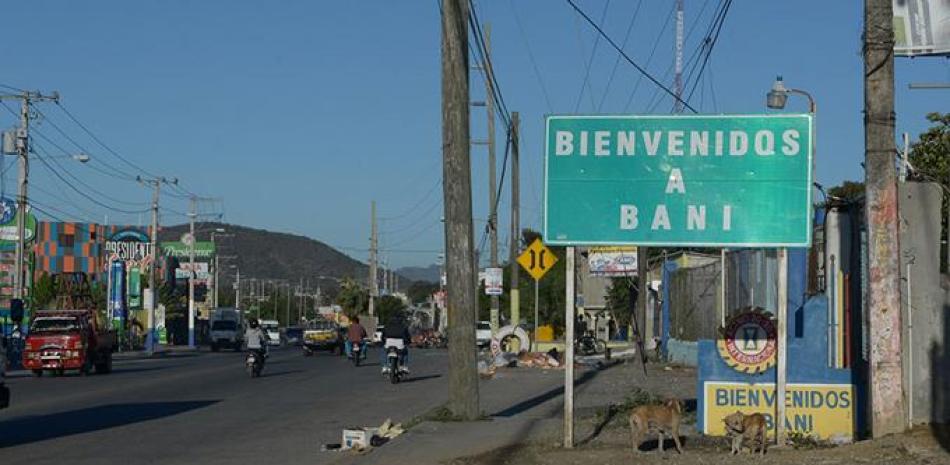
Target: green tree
389,306
44,291
550,290
419,291
848,190
621,296
353,298
930,157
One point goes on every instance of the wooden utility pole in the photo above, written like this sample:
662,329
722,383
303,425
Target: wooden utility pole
515,222
643,292
492,182
887,406
457,192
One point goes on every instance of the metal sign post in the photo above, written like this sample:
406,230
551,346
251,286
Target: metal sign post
782,341
569,352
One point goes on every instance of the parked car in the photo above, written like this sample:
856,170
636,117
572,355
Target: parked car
61,340
483,333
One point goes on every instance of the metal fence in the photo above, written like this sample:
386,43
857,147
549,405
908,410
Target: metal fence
694,302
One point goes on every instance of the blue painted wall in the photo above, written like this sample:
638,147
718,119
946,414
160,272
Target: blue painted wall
807,340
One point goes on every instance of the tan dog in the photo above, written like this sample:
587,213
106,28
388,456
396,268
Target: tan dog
746,427
659,419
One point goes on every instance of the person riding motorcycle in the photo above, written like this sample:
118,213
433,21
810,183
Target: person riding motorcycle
396,334
356,335
255,339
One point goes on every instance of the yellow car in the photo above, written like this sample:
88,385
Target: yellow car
322,335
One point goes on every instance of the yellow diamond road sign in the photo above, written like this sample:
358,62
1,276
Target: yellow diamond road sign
537,259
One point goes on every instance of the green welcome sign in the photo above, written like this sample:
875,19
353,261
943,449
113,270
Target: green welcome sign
698,180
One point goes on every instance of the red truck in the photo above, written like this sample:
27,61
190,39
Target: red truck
61,340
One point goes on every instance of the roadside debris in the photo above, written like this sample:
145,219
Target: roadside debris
365,438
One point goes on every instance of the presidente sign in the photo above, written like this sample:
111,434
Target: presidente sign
203,250
681,180
129,245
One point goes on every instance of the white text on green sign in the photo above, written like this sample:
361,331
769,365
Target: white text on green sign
700,180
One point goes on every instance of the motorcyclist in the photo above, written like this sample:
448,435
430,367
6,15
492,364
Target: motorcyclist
355,334
396,334
255,339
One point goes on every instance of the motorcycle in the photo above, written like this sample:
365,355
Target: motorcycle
392,360
254,363
589,345
357,354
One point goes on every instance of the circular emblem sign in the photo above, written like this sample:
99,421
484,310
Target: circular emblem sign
748,342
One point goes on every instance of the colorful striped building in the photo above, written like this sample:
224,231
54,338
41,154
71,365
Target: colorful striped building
69,247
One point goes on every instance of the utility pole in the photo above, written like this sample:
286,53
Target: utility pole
515,221
23,153
678,61
373,274
156,183
457,191
191,274
492,182
237,290
887,407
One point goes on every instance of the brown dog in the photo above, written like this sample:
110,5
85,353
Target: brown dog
746,427
659,419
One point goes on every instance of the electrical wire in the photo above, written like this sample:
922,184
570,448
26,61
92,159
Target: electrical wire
534,63
70,174
613,71
627,57
590,62
87,196
101,143
709,49
409,211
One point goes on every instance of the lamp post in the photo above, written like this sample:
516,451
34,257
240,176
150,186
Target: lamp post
776,99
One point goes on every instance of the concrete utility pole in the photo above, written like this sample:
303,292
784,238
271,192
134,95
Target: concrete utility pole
150,341
457,191
373,276
237,290
513,250
887,406
191,274
23,153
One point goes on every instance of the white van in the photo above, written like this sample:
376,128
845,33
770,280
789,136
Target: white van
227,329
272,332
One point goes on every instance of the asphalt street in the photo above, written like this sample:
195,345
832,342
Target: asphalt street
203,408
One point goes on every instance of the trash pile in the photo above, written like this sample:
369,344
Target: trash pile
366,438
488,363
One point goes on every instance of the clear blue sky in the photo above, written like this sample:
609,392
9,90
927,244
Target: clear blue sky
299,113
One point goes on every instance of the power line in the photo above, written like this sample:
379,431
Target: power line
590,62
409,211
613,71
79,181
87,196
627,57
715,38
101,143
534,64
488,69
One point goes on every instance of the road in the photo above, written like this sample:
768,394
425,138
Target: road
203,408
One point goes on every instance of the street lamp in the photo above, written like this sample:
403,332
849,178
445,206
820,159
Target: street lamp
776,99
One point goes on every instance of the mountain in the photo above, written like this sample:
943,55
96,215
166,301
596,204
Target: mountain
273,255
419,273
